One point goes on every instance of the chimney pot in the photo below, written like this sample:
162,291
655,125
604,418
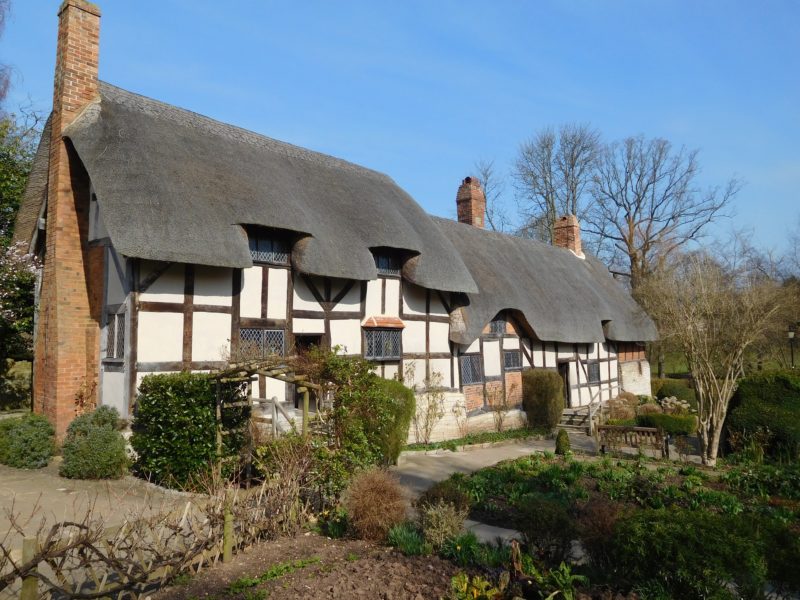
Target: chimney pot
471,202
567,234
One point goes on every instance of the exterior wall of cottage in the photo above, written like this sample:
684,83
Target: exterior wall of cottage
190,317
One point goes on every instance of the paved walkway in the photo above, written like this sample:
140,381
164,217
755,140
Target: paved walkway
420,470
40,495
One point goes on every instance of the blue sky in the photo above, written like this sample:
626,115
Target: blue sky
420,90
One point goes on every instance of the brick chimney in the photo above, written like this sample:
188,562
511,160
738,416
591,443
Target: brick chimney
66,352
567,234
471,202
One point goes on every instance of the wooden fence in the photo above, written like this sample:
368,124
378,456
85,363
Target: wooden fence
132,560
613,437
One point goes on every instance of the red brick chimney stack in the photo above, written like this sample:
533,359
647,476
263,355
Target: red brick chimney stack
567,234
67,348
471,202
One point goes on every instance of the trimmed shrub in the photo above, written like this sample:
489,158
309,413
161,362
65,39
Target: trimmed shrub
542,397
445,491
694,554
27,442
768,402
562,442
679,388
670,424
400,406
174,427
408,540
440,522
375,503
94,448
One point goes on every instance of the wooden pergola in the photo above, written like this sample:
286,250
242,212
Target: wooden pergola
244,371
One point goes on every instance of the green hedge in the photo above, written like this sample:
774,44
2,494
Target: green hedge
400,405
688,554
542,397
671,424
174,427
94,448
769,401
27,442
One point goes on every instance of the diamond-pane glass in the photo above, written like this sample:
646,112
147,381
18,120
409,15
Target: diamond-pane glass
471,371
119,346
111,328
259,343
512,359
497,325
382,344
387,264
269,250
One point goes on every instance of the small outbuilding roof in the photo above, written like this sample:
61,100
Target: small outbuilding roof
563,298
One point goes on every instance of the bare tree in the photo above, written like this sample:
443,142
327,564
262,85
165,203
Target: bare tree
552,174
793,254
713,315
5,70
647,203
493,187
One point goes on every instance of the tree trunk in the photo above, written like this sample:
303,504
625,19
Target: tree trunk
661,365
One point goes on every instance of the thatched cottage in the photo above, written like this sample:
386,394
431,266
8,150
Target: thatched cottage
170,241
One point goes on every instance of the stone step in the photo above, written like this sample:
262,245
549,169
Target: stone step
582,429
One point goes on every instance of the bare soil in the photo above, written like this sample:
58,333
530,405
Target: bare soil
345,569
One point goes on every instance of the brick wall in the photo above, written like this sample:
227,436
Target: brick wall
67,346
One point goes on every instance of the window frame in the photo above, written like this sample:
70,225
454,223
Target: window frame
115,336
498,325
264,343
394,268
590,367
517,367
366,332
277,246
471,356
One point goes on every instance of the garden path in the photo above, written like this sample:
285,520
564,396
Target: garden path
418,471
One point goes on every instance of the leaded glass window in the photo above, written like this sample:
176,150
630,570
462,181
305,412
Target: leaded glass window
115,336
512,360
269,250
498,325
593,371
387,264
260,343
471,371
382,344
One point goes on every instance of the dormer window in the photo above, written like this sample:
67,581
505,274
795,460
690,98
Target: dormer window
387,264
264,249
498,325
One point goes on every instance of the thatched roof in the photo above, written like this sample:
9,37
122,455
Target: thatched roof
176,186
562,297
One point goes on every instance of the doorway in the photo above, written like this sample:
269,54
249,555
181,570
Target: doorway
563,371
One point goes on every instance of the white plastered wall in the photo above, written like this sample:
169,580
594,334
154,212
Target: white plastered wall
347,334
211,334
250,296
169,285
213,286
414,337
277,290
160,337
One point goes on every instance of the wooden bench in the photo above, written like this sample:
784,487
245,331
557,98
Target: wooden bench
617,436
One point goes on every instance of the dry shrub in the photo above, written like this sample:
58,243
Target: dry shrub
620,410
628,398
440,522
375,503
596,522
649,409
